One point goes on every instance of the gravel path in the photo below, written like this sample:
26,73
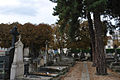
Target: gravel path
78,72
85,74
111,75
84,71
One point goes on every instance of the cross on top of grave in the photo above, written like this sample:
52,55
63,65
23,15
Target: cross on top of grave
14,33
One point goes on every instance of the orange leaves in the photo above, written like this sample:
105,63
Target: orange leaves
31,34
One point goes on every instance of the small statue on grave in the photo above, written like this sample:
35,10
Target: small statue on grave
19,38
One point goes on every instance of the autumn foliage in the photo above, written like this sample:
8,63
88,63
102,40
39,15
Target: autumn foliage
32,35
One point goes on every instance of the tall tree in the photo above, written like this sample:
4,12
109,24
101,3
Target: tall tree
77,9
92,38
98,7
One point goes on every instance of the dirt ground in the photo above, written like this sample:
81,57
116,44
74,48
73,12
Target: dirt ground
75,73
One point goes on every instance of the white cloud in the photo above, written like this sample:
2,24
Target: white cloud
34,11
4,3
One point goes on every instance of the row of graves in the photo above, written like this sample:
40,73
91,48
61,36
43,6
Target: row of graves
113,60
6,57
15,63
48,66
4,63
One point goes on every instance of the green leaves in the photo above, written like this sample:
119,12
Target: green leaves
94,5
68,12
113,6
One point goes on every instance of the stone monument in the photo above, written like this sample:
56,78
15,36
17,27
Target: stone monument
46,51
14,33
17,69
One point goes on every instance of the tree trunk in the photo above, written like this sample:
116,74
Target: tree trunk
101,68
92,37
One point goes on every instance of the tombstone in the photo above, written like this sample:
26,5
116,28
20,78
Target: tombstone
4,65
78,56
6,49
26,52
109,58
3,49
115,66
17,69
11,50
87,56
73,55
42,61
46,53
50,53
26,60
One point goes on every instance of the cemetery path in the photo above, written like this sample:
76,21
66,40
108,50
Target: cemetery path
85,74
85,71
111,75
74,73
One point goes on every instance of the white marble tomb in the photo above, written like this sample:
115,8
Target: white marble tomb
17,69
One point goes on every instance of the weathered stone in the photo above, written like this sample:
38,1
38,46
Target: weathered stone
17,69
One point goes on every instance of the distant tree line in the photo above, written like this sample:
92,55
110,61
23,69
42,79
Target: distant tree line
33,36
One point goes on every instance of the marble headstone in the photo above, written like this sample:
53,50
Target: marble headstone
26,52
17,69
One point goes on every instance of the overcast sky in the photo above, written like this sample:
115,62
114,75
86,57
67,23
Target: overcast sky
23,11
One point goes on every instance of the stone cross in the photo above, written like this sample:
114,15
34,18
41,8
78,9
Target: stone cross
14,33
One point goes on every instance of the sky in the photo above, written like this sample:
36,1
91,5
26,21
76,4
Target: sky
23,11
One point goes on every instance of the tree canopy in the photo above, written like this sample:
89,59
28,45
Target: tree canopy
72,12
33,36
